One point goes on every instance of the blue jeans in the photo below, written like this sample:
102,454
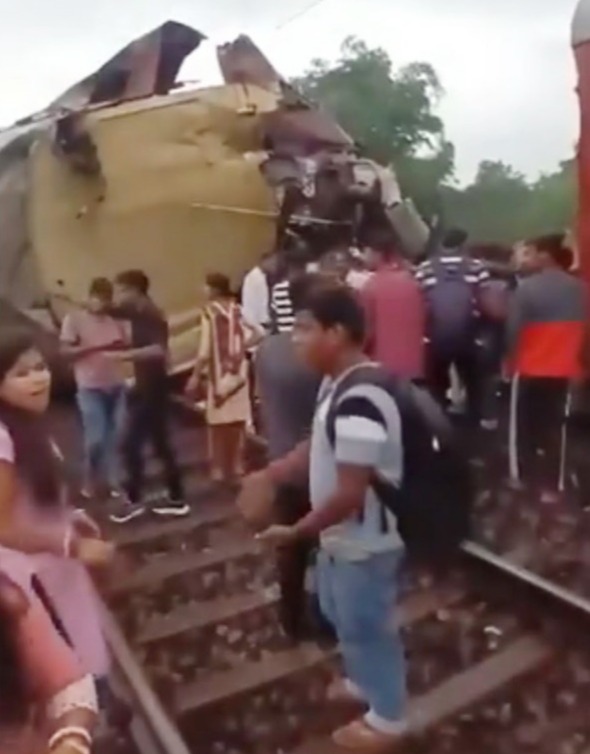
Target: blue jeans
103,412
358,598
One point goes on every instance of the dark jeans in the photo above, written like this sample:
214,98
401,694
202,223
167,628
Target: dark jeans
148,422
491,354
538,433
468,366
298,615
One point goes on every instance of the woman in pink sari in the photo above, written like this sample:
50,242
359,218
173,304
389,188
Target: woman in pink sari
48,704
42,540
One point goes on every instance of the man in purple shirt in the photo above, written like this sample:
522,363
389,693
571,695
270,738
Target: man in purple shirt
395,312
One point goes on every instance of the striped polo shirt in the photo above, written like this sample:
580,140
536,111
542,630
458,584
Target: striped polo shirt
368,434
475,272
281,307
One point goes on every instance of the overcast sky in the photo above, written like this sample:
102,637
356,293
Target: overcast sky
506,65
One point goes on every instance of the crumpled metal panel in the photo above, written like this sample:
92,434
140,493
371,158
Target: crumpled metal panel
410,228
19,275
297,127
305,131
147,66
241,62
20,137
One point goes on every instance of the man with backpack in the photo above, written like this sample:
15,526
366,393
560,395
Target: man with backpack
455,289
364,463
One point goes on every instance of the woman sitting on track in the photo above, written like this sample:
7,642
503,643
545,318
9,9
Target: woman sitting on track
44,544
48,703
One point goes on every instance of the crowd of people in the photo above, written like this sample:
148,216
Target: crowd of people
332,438
304,329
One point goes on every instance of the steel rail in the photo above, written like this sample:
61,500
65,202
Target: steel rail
542,586
154,733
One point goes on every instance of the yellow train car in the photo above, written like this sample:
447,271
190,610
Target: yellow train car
126,170
176,197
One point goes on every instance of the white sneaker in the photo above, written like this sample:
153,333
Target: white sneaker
126,511
173,508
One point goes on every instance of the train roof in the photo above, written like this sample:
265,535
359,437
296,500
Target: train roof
143,76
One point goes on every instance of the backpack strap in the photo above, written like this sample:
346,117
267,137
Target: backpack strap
372,374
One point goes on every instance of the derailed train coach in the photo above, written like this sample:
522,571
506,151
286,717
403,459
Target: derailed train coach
128,169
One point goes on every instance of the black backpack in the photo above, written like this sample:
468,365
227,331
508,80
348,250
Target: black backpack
433,504
452,308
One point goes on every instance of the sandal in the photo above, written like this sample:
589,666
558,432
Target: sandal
361,736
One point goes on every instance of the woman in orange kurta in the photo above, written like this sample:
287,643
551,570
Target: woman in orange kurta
225,339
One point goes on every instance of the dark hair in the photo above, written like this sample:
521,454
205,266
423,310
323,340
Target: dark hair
14,689
454,238
296,256
554,246
137,280
384,241
101,288
34,457
219,283
302,287
337,305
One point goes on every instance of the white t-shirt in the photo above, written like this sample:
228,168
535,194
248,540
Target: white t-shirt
256,299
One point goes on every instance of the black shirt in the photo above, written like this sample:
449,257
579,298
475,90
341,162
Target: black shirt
148,328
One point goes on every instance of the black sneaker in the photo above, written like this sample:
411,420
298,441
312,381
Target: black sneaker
126,511
173,508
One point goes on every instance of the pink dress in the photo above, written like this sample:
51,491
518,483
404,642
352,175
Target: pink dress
49,666
66,581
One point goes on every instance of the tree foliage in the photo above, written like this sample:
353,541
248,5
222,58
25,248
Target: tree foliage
392,114
502,206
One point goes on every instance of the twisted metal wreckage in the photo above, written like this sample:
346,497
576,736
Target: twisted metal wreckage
128,168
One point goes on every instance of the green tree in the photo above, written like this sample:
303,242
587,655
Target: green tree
492,207
553,201
502,206
390,113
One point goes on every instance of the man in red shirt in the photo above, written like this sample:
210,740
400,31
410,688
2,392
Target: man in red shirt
395,312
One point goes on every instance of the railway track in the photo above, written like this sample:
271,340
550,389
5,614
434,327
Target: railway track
497,660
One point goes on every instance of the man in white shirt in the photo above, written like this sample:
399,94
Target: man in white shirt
256,292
